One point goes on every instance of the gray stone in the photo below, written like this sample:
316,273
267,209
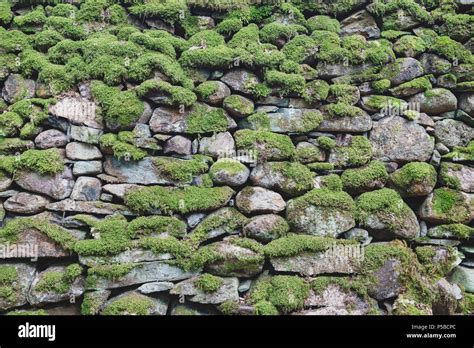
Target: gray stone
57,186
386,282
222,91
236,175
453,133
144,273
358,234
87,168
128,256
466,103
360,23
254,199
37,296
86,134
408,69
433,64
82,151
19,286
462,174
356,124
118,190
224,221
464,277
446,301
435,101
217,145
91,207
265,228
25,203
239,80
178,145
86,189
154,287
50,138
307,153
226,292
238,106
78,110
397,139
289,120
17,88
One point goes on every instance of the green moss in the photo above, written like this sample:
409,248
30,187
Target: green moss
448,180
414,173
110,272
357,153
455,230
286,293
326,143
380,86
263,307
466,305
259,90
422,83
321,283
229,307
173,95
207,89
6,13
299,48
168,200
384,200
16,226
286,83
344,93
457,26
121,109
92,303
30,21
150,225
450,205
28,313
307,154
316,90
297,177
433,266
229,26
207,38
324,23
360,178
179,170
230,166
208,283
168,11
461,153
10,124
264,143
410,45
392,34
113,237
323,166
204,119
344,110
381,9
379,102
219,57
235,102
331,182
8,277
273,32
452,50
294,244
121,149
59,282
132,304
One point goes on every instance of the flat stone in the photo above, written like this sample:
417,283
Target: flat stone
90,207
239,80
157,306
218,145
87,168
57,186
86,189
134,255
464,277
25,203
50,138
356,124
82,152
435,101
78,110
226,292
119,190
360,23
397,139
154,287
178,145
254,199
86,134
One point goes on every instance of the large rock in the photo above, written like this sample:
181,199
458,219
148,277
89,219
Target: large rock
82,151
57,186
85,134
406,69
37,295
16,280
279,176
466,103
464,276
25,203
435,101
254,199
17,88
355,124
234,260
447,206
321,212
239,80
178,145
229,172
453,133
461,174
226,292
387,282
265,228
77,110
218,145
361,23
397,139
86,189
50,138
143,273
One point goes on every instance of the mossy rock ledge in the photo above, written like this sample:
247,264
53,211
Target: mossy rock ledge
172,157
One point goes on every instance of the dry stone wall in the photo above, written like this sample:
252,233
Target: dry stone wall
208,157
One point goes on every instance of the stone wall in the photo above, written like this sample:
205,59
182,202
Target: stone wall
173,157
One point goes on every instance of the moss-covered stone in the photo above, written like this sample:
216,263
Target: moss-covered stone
414,179
267,146
374,175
